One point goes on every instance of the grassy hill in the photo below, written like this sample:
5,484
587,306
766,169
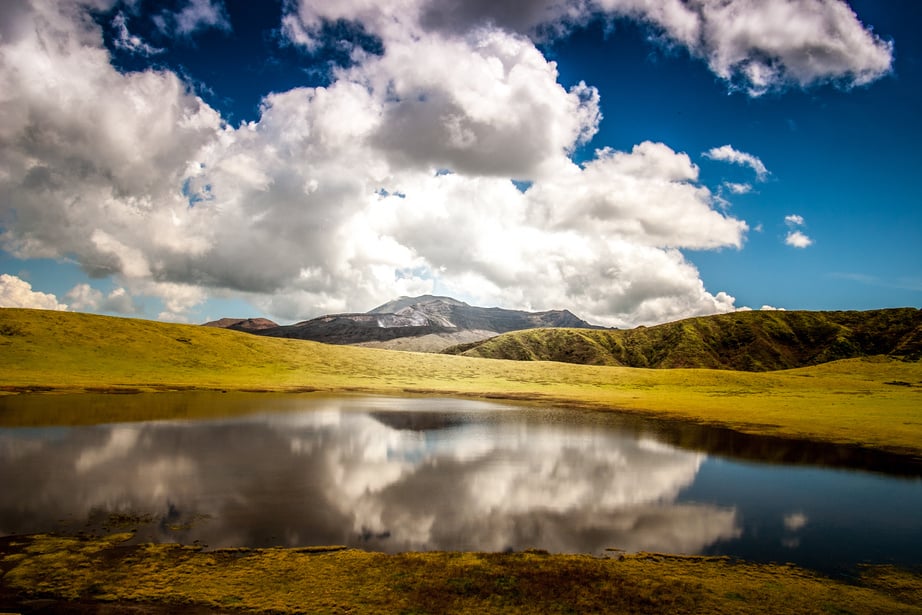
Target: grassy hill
875,402
749,341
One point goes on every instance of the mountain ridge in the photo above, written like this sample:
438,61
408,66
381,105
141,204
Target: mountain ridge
746,341
427,323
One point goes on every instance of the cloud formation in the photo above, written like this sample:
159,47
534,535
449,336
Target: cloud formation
727,153
396,177
16,292
754,45
795,237
85,298
127,41
761,46
196,15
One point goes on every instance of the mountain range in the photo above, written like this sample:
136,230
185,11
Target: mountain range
762,340
426,323
747,341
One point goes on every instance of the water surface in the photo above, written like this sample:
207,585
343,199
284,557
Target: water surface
398,474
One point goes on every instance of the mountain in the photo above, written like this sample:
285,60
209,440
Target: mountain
426,323
243,324
748,341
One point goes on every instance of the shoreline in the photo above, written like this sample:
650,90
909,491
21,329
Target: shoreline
84,575
911,455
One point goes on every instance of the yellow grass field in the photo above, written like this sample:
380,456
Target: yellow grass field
872,402
86,573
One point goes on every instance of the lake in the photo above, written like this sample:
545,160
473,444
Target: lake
398,474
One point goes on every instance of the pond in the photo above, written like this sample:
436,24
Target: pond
398,474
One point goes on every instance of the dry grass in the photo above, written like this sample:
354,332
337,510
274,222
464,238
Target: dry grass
99,571
868,402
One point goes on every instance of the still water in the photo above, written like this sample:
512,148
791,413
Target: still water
397,474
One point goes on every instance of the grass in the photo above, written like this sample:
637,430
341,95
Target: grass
749,341
873,402
99,571
869,402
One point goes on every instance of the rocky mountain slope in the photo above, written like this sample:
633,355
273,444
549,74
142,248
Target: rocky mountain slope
243,324
426,323
749,341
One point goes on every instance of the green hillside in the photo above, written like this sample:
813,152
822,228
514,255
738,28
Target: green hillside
871,402
748,341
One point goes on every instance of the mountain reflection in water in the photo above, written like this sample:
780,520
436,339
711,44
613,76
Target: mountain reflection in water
412,474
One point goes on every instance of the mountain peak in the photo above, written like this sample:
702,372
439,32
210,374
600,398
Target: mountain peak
434,321
400,303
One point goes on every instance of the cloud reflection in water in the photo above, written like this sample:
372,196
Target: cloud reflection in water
382,480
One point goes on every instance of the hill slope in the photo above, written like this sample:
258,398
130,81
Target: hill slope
426,323
854,401
749,341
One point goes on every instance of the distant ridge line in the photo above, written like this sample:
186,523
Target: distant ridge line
427,323
746,341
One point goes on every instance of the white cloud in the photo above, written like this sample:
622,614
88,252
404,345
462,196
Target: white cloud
761,46
199,15
131,42
333,199
84,297
754,45
500,112
797,239
737,188
16,292
727,153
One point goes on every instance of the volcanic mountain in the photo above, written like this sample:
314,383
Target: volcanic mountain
426,323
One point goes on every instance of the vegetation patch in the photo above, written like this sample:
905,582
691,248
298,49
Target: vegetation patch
92,573
748,341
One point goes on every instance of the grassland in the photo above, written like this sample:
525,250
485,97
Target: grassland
873,402
84,575
748,341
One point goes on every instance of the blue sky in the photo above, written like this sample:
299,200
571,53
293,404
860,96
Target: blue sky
632,161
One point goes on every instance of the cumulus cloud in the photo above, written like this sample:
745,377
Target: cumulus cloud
762,46
395,178
755,46
84,297
16,292
339,196
727,153
795,237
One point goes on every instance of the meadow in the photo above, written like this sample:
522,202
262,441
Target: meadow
80,574
872,402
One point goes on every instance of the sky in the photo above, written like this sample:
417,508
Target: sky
633,161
